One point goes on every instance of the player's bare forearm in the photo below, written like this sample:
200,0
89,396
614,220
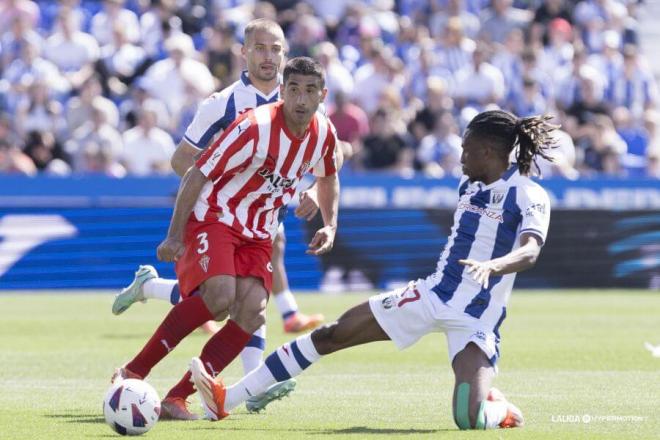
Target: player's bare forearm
328,197
184,157
521,259
191,185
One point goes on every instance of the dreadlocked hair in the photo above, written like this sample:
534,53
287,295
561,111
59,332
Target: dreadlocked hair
530,136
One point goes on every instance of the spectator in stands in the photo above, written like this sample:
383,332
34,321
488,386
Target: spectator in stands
13,40
455,50
168,79
602,148
112,16
351,121
38,111
372,78
32,65
157,24
439,153
14,161
147,148
79,108
44,150
304,34
222,53
500,18
121,62
425,63
636,138
384,149
590,103
479,83
558,52
97,130
73,52
25,10
337,77
100,159
636,88
441,16
529,100
508,59
131,106
610,63
546,14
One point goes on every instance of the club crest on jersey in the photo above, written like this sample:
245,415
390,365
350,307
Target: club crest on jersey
304,167
496,199
204,262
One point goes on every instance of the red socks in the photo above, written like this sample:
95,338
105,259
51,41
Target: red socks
179,323
219,351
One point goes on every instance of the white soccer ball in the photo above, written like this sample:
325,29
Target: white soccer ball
131,407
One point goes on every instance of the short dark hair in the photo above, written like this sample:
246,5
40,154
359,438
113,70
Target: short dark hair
303,66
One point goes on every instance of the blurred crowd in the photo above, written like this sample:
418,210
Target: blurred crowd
110,86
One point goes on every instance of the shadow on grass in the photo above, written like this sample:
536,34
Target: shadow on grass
76,418
364,430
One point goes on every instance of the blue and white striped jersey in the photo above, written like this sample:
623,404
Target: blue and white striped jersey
488,222
220,109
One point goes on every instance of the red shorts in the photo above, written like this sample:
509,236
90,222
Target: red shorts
213,248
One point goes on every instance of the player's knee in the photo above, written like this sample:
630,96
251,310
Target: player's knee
250,320
217,300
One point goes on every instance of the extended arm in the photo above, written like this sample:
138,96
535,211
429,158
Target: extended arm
521,259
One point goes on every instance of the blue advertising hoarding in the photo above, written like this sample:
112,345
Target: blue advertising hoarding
93,232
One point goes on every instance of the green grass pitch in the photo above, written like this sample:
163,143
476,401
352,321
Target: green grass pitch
567,357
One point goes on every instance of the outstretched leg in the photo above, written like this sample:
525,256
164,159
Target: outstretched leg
355,327
475,404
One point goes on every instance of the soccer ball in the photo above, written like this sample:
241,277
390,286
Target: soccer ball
131,407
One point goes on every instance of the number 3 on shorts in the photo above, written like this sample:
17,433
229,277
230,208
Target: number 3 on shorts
203,243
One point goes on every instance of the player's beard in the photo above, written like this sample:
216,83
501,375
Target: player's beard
266,74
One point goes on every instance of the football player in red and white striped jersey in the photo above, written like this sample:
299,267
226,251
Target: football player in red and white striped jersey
225,215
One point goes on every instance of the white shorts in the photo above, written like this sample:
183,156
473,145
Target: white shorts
409,313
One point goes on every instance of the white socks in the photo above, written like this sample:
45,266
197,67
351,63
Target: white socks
160,288
253,352
286,303
287,361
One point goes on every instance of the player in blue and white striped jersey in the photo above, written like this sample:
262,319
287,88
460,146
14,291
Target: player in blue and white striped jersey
500,225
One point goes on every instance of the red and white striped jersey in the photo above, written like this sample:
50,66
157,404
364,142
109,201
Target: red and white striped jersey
255,167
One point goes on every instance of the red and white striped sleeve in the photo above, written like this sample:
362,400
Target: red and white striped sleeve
232,151
327,166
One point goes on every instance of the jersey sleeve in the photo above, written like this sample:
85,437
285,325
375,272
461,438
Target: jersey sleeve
213,115
232,151
535,211
327,165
